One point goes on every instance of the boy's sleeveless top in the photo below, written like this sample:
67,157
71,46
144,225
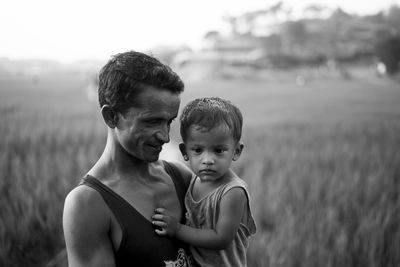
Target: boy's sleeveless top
204,214
140,245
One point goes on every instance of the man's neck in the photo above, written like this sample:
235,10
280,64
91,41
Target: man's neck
115,162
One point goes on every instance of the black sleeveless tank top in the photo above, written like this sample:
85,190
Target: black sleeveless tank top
140,245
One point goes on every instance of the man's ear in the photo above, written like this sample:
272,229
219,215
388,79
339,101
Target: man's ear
110,116
238,151
182,148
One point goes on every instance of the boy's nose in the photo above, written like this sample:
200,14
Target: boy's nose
208,159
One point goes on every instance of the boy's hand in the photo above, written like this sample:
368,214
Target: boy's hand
169,224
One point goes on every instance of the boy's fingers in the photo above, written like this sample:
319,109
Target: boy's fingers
158,223
161,232
162,211
158,217
159,210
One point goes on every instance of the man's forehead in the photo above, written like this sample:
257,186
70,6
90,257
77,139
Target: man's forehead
157,113
154,97
156,108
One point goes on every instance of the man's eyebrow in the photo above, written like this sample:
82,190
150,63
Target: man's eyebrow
157,117
150,114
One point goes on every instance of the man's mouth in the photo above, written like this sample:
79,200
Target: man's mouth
156,148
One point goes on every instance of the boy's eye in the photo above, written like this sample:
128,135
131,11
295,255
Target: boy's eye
219,150
196,150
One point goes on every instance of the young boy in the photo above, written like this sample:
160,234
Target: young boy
219,219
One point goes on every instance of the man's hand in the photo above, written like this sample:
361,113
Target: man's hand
169,224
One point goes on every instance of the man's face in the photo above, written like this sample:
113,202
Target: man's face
143,130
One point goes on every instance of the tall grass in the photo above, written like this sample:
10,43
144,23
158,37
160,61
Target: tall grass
49,137
322,163
330,198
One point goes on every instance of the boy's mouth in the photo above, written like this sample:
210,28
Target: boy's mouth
207,171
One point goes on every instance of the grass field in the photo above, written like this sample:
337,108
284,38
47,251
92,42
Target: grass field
322,162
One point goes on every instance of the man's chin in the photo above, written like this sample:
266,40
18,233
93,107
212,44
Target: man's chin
152,158
148,157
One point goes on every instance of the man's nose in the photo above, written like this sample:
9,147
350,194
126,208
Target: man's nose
163,134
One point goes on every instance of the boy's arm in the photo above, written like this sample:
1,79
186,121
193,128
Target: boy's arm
232,206
86,224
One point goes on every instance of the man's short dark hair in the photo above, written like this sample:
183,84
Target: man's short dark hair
211,112
127,74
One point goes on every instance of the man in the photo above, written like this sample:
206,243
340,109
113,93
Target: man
107,218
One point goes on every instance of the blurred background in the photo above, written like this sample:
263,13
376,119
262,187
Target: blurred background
317,81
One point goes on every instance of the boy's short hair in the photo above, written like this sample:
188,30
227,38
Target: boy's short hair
127,74
210,112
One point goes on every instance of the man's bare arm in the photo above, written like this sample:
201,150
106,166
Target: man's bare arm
86,224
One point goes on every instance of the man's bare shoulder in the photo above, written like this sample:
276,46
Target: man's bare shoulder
83,206
83,195
86,224
184,170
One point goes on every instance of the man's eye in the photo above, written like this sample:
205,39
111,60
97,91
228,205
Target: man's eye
152,122
196,150
169,124
219,150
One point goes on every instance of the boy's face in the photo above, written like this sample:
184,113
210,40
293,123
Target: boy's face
210,152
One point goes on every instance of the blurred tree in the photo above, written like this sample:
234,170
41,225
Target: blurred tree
335,33
315,10
322,33
272,44
213,35
393,19
276,9
279,11
294,35
297,32
388,51
232,22
378,18
211,39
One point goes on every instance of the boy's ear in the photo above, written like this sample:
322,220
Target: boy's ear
238,151
182,148
110,116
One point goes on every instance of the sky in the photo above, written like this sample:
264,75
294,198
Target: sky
70,30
